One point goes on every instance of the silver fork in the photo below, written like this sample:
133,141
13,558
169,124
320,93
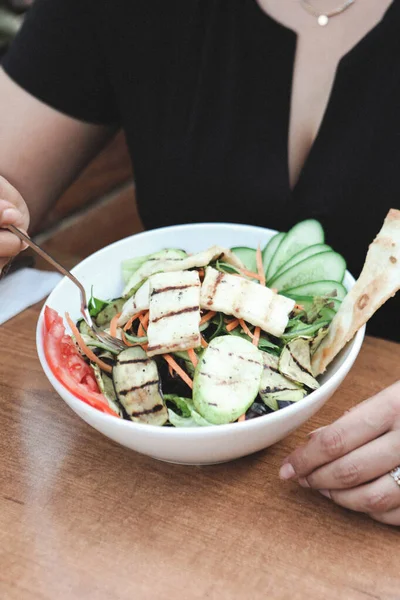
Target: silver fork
103,336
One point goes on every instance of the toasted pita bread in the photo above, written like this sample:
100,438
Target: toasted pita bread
379,281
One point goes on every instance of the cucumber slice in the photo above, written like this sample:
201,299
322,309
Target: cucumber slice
247,256
304,234
227,379
330,288
307,301
297,258
322,266
270,249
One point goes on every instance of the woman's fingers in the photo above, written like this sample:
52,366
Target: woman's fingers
11,215
13,211
359,466
10,244
8,191
351,431
360,405
392,517
378,497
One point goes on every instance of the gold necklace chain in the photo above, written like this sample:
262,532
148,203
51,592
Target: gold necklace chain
323,18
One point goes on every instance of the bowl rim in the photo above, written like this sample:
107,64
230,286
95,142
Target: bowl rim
183,432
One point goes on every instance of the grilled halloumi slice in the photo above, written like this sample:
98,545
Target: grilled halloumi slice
201,259
246,300
138,302
174,312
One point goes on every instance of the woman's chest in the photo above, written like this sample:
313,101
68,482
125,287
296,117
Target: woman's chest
319,51
207,109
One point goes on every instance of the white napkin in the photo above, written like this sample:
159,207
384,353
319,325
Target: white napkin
24,288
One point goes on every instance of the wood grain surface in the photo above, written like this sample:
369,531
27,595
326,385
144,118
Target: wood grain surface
81,517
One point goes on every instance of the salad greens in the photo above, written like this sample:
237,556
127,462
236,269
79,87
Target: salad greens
219,336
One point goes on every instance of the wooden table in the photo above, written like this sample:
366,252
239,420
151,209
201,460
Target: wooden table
82,518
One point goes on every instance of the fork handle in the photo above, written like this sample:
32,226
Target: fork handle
53,262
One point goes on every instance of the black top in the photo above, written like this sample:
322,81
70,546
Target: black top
202,89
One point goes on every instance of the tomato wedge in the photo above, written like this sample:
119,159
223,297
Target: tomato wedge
68,365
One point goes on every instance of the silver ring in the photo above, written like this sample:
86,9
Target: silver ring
395,473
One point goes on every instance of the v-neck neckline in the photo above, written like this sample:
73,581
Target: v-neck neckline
345,62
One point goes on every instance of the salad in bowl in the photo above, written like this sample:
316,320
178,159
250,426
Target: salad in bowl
214,335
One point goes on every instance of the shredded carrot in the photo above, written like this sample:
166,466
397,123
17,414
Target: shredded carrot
131,320
144,319
251,274
299,306
113,325
85,349
260,268
256,337
207,317
174,365
275,290
170,371
232,325
193,357
203,342
245,328
242,418
126,341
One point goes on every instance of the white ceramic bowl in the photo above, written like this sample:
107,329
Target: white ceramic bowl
202,445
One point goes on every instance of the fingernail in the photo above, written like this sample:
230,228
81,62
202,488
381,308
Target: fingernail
287,472
303,482
10,215
325,493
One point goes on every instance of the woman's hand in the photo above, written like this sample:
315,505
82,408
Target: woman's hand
13,211
350,461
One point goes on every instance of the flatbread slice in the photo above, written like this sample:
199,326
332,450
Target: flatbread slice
378,281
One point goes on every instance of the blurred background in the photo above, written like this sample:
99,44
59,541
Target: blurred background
102,200
11,16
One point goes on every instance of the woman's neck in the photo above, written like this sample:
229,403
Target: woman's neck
318,53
